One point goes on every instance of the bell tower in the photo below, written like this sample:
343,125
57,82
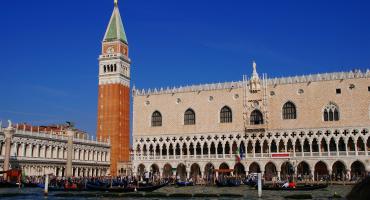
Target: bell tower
114,91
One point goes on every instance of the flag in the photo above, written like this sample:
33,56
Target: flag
237,155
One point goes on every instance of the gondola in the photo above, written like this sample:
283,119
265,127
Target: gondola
29,184
297,188
8,184
228,183
97,187
184,183
250,182
131,188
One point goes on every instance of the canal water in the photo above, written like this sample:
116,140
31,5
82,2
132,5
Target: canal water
247,192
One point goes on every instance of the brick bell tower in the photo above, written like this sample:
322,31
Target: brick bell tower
114,91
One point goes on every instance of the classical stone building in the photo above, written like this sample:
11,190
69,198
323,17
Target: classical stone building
39,151
312,124
114,93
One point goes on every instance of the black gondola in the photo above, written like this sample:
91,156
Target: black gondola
8,184
184,183
297,188
131,188
228,183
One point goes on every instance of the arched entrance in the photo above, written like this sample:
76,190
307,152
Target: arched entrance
239,170
195,173
181,172
287,171
339,171
321,171
224,169
357,170
141,170
209,172
303,170
154,169
167,171
270,171
254,168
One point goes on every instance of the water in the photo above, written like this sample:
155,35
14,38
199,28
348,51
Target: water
248,193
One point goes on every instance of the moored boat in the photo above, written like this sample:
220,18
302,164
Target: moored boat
184,183
297,188
228,183
131,188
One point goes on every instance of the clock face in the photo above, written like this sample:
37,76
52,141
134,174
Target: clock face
110,50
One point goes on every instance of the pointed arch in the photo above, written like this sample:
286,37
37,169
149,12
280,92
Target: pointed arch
213,148
331,112
360,144
341,145
332,145
273,148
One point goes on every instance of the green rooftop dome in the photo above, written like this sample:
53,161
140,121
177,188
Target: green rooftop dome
115,30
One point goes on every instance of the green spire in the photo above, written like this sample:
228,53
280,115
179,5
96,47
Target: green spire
115,30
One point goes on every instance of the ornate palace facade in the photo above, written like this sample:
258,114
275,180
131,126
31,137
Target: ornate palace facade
40,152
315,124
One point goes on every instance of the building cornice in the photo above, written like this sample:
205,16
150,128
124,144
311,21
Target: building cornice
270,81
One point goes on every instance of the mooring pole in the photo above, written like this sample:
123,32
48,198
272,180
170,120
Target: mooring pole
46,189
259,185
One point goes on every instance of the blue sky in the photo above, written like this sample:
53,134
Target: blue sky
49,49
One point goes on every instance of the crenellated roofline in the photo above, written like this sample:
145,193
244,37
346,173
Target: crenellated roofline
270,81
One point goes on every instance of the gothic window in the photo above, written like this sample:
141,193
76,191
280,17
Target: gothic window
189,117
256,117
115,67
111,68
226,115
289,111
331,112
156,119
105,68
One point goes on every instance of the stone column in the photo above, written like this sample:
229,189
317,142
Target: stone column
8,132
278,173
70,134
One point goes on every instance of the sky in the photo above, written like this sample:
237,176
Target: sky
49,49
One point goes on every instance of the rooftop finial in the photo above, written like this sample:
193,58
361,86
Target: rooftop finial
115,2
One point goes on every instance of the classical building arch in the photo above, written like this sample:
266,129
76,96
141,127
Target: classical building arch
286,170
181,171
254,167
339,170
141,169
270,171
239,169
321,171
357,170
167,171
195,171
